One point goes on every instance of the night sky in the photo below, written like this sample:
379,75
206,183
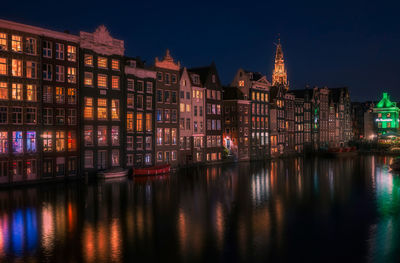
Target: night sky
349,43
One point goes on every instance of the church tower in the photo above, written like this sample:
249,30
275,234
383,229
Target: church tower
279,75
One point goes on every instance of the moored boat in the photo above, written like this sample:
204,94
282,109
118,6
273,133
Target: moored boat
154,170
113,173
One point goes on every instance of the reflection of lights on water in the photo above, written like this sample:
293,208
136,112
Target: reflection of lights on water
219,224
47,228
71,216
182,230
88,243
31,228
260,188
115,241
3,235
17,239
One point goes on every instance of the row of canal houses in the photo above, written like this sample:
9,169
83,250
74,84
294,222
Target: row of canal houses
72,105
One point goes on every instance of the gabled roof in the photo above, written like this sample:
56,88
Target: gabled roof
204,72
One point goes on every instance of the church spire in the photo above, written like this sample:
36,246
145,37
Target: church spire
279,75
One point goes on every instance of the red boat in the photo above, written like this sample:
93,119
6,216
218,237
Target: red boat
154,170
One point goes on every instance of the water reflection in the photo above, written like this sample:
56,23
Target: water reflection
343,209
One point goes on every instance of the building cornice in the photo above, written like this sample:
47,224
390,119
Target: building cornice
38,31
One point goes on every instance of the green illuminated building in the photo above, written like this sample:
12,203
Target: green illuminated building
386,117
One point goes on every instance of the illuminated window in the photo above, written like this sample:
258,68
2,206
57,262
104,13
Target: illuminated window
115,109
47,49
31,69
182,107
102,109
3,142
102,62
31,141
31,167
71,53
30,46
129,121
3,66
159,138
30,115
115,64
3,91
16,91
60,141
187,107
88,109
139,122
102,81
115,136
3,41
17,143
241,83
59,51
88,135
88,79
173,136
149,122
71,141
60,95
31,93
167,136
130,101
102,135
16,69
47,94
115,157
71,95
88,60
47,72
60,73
71,77
115,82
47,138
48,116
16,43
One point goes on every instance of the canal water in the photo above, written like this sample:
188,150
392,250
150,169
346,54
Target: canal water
303,210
